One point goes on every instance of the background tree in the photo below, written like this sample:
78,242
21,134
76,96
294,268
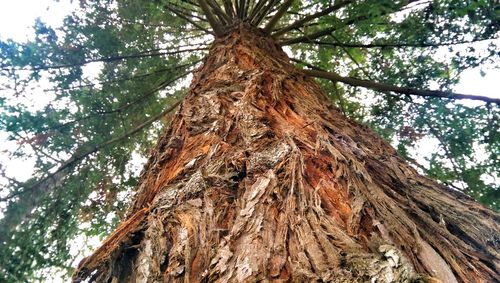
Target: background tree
85,138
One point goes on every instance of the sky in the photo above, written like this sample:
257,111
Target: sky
17,18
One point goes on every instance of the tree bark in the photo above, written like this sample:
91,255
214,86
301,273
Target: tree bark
259,178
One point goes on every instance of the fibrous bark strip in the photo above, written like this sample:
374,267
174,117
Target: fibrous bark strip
259,178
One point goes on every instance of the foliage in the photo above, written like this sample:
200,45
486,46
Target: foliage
108,74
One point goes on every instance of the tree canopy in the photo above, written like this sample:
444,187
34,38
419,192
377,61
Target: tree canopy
111,77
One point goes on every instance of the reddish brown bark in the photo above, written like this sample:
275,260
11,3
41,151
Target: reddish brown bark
259,178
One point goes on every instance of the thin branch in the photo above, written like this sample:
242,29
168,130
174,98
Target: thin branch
275,19
121,108
308,37
191,3
228,7
210,17
301,22
237,9
396,45
188,12
55,178
263,12
344,23
126,22
130,78
353,59
415,162
106,60
339,97
187,19
387,87
223,17
246,8
256,9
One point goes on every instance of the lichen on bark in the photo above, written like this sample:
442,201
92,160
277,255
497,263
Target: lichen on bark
259,178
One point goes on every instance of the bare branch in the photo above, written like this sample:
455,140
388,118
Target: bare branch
256,9
210,17
246,8
308,37
190,13
223,17
187,19
344,23
275,19
129,78
396,45
263,12
387,87
229,8
240,8
107,59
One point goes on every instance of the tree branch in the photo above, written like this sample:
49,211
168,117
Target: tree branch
190,13
275,19
263,12
308,37
106,59
395,45
187,19
223,17
246,8
344,23
130,78
387,87
210,17
55,178
454,166
256,9
237,9
26,140
142,98
301,22
229,8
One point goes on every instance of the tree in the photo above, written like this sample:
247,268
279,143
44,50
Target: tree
258,176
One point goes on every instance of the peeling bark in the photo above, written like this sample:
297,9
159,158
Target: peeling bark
259,178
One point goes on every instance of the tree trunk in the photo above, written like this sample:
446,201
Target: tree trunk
259,178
